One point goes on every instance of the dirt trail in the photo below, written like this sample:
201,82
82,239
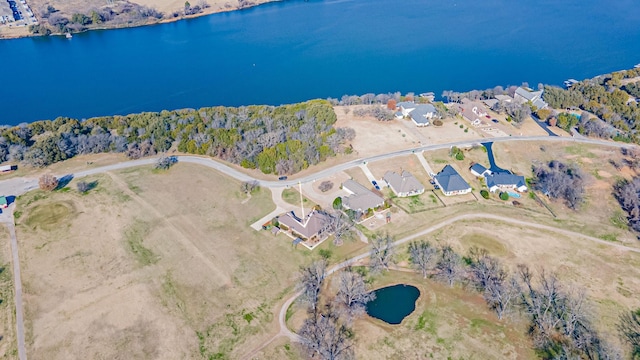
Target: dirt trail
284,330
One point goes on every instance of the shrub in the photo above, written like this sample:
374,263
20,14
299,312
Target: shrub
48,182
337,203
166,162
83,187
325,186
504,196
460,156
484,194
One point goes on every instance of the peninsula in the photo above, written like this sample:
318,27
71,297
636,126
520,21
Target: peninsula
55,17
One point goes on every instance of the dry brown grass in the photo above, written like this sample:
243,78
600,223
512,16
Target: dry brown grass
152,265
8,349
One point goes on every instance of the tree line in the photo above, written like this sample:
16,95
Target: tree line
283,139
607,98
561,321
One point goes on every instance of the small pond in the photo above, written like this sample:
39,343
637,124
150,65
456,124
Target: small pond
393,303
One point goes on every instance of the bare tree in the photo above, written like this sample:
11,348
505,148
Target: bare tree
249,186
629,328
83,186
449,266
560,319
559,180
353,293
311,279
422,256
165,162
48,182
339,224
325,337
382,252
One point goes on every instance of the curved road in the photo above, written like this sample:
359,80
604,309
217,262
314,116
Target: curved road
19,186
284,330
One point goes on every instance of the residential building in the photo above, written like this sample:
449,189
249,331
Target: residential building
420,114
473,111
505,181
313,226
360,198
404,184
523,95
479,170
451,183
504,98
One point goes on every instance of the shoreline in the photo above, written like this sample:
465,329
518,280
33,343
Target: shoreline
205,12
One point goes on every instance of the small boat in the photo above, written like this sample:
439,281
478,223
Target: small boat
68,36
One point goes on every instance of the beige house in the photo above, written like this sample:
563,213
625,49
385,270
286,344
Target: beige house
404,184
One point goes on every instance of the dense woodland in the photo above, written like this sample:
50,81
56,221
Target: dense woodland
282,140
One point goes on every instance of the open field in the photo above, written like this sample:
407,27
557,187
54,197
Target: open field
150,265
8,349
610,276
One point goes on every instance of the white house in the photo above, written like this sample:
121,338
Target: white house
523,95
505,181
478,170
420,114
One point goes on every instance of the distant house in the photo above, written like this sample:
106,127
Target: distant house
505,181
504,98
451,183
360,198
404,184
312,227
8,168
420,114
3,202
523,95
479,170
473,111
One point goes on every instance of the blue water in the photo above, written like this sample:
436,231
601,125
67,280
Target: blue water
393,303
295,50
513,194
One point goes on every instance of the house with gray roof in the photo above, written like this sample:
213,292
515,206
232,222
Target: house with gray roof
473,111
313,226
450,182
404,184
523,95
420,114
360,198
505,181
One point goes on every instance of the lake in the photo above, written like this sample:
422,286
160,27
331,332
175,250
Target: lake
297,50
393,303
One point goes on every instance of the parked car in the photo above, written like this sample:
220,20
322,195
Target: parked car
282,178
436,187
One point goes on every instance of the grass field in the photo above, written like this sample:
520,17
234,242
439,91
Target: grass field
163,264
151,265
8,349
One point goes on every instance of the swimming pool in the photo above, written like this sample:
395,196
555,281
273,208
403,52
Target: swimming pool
513,195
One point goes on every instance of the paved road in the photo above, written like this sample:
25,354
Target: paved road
19,186
284,330
7,219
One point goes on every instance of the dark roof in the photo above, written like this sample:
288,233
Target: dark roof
504,179
478,168
449,180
